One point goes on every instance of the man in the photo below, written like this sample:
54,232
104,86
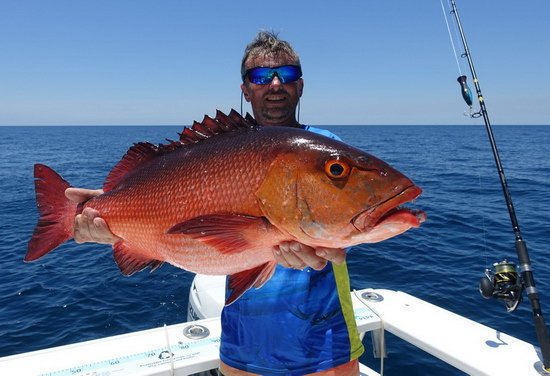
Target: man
301,321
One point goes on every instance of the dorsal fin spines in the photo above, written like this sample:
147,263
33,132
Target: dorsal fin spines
138,154
171,145
224,120
234,115
201,130
142,152
250,119
210,126
189,136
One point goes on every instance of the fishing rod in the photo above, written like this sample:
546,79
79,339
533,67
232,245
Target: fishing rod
502,282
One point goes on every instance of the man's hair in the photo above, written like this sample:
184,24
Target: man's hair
267,43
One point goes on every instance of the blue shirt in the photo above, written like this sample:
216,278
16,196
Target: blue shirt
299,322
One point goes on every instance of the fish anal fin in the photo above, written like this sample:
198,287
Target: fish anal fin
229,233
128,262
256,277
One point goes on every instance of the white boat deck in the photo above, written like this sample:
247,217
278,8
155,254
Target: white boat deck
467,345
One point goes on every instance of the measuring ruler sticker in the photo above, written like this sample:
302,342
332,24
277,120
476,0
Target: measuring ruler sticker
147,359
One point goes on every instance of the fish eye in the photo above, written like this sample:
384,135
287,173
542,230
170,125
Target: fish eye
337,169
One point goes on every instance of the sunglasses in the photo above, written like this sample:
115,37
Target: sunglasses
264,75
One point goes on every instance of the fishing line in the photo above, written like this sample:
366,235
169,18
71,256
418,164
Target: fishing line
479,180
503,282
465,90
450,36
485,248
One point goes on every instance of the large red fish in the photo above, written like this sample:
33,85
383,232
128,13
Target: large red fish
218,200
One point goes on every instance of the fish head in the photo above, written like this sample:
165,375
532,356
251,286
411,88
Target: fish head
326,193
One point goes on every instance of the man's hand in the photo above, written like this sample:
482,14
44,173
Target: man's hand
297,255
88,226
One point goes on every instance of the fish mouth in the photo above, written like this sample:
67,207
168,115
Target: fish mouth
389,218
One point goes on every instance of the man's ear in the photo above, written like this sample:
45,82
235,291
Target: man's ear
245,92
300,87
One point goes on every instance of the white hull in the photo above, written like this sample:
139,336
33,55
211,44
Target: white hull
469,346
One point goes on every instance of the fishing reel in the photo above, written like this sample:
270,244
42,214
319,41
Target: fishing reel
502,282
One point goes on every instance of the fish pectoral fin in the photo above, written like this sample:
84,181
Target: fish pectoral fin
128,262
255,277
229,233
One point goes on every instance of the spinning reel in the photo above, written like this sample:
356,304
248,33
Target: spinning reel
502,282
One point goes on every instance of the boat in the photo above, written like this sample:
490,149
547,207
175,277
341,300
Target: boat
192,347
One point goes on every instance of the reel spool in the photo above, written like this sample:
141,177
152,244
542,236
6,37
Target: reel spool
502,282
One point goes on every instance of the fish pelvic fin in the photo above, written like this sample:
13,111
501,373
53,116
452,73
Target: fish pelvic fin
128,262
229,233
256,277
56,222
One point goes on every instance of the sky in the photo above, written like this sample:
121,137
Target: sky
365,62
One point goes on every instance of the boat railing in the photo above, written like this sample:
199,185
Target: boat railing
193,347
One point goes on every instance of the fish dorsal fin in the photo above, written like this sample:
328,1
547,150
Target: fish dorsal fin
137,154
209,127
142,152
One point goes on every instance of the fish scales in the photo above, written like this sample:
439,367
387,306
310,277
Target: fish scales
203,178
220,199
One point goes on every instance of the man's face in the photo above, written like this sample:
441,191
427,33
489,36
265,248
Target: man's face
274,103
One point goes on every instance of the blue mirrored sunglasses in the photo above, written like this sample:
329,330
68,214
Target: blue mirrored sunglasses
264,75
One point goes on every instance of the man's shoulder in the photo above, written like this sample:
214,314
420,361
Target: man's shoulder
322,131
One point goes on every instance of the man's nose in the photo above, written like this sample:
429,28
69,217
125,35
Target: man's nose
276,82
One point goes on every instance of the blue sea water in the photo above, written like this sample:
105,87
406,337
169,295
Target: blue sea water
77,293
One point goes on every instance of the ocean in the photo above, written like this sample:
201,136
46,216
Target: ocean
77,293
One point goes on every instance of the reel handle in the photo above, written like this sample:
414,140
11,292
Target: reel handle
486,287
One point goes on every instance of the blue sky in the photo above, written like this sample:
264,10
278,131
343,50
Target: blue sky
169,62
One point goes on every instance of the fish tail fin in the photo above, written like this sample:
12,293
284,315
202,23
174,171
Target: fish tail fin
56,223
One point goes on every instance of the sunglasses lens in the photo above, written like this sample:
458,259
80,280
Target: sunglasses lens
260,75
264,76
289,73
